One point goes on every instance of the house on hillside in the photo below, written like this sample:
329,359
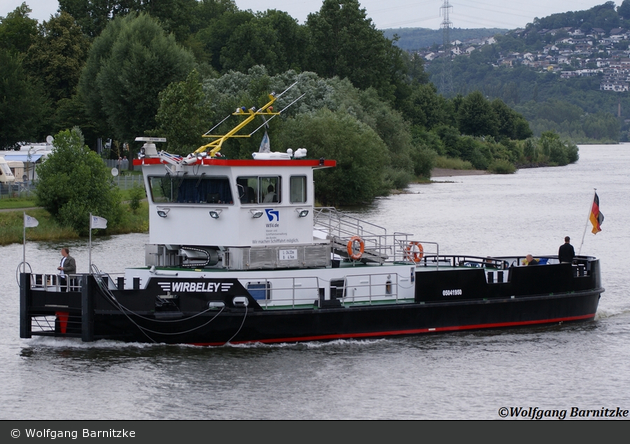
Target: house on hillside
429,56
614,86
549,48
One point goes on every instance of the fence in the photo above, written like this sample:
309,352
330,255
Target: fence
20,189
126,181
26,190
119,164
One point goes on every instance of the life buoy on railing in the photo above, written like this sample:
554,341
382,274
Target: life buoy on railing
414,252
355,247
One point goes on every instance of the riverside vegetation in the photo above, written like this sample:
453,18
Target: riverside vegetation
94,74
74,182
49,229
362,100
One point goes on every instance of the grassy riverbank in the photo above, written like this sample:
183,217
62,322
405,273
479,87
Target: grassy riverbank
12,224
12,203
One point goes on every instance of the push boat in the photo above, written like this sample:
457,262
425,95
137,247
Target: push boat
270,266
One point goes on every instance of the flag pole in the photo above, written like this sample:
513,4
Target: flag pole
24,245
588,218
90,247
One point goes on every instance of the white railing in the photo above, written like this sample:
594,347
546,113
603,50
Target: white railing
51,282
301,291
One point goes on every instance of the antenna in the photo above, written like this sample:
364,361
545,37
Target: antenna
446,86
266,124
267,110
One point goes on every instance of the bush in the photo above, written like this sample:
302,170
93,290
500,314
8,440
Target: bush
451,163
361,155
423,161
397,179
572,152
501,166
136,194
74,182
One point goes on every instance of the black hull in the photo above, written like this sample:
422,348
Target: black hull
247,326
445,301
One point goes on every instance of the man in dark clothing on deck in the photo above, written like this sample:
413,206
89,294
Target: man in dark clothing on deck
566,253
67,266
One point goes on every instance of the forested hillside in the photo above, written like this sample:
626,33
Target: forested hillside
567,73
414,39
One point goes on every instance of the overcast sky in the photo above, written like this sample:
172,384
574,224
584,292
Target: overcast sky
393,13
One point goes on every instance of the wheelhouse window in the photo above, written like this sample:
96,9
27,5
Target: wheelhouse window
190,189
297,189
259,189
247,189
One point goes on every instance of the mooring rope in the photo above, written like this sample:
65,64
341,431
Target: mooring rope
127,312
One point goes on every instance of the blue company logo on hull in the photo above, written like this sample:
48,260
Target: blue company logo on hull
196,287
271,213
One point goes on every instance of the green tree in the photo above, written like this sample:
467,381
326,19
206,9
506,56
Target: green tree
94,15
476,117
423,160
360,154
530,150
207,12
425,107
17,29
218,31
345,43
511,124
273,39
127,67
392,128
624,10
556,151
58,54
74,182
183,115
176,16
474,151
23,104
415,68
449,137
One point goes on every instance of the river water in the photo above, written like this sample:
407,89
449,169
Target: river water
467,375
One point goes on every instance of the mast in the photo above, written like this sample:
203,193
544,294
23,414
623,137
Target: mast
265,111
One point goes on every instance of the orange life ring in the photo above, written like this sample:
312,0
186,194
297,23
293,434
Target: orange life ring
352,251
414,251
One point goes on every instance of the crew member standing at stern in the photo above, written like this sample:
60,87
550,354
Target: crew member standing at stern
566,253
67,266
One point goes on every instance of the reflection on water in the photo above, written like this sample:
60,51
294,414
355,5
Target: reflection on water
466,375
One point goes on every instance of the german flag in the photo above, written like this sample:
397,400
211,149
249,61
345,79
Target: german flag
596,217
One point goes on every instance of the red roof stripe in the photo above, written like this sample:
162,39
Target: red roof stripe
245,162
